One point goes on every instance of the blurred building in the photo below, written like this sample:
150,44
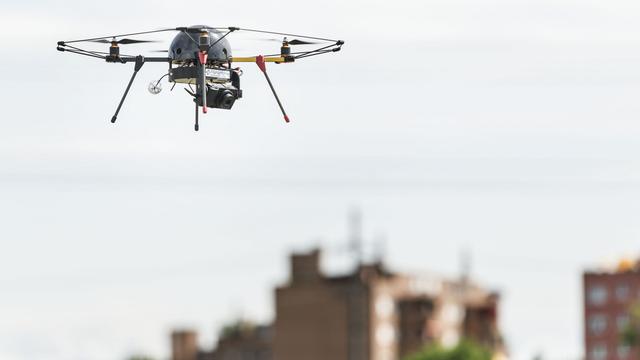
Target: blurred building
373,314
368,314
240,341
608,296
184,345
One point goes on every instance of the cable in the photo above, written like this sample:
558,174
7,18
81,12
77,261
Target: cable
222,37
163,76
187,33
319,51
184,29
87,51
122,35
86,54
286,34
336,47
313,54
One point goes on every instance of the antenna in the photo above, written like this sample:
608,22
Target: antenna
465,265
380,247
355,234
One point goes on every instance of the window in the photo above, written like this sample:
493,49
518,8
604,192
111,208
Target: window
597,324
384,306
597,295
623,351
599,352
622,321
622,292
385,334
452,313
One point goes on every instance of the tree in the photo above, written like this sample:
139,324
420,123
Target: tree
630,335
237,329
139,357
465,350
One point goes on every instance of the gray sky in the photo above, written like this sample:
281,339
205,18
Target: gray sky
508,128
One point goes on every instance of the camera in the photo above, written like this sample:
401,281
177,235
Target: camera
221,97
223,85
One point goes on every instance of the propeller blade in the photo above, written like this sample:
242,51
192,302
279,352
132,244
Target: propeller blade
133,41
301,42
160,51
123,41
292,42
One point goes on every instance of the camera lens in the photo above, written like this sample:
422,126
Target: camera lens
227,99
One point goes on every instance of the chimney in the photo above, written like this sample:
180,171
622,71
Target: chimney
305,268
184,345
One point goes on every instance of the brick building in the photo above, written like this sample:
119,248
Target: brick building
184,345
368,314
240,341
373,314
608,295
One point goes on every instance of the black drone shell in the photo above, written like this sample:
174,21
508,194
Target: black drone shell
185,45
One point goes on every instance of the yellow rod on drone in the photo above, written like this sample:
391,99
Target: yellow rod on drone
279,59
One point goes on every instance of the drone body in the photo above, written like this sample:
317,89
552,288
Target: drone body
201,56
222,84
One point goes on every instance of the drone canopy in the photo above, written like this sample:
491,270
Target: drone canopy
184,48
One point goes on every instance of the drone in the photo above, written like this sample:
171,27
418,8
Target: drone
201,56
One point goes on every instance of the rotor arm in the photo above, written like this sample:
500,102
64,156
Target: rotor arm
335,47
291,57
126,59
253,59
62,46
123,59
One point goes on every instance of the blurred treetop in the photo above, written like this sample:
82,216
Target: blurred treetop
465,350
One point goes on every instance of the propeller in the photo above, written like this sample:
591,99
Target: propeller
123,41
292,42
301,42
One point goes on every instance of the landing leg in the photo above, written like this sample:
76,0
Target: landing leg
197,126
263,68
138,66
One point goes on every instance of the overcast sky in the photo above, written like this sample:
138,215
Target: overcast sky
508,128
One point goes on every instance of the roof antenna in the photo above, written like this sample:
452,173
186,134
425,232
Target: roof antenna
355,234
380,248
465,266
